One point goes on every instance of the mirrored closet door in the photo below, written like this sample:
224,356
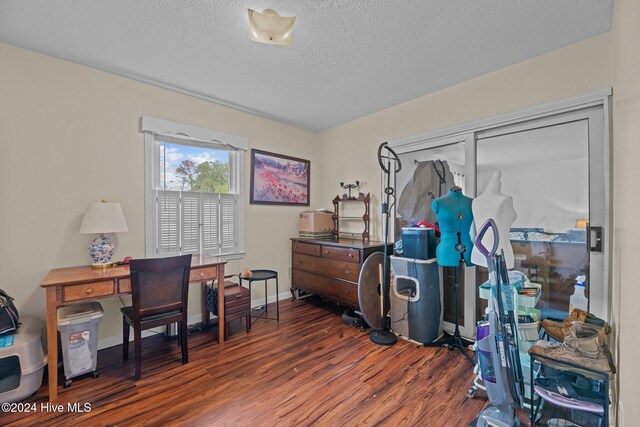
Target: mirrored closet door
428,174
552,168
555,167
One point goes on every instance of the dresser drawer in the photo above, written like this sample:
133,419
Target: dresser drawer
239,311
236,296
345,254
306,248
326,267
201,274
337,290
88,291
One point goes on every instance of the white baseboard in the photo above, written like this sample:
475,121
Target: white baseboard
196,318
283,296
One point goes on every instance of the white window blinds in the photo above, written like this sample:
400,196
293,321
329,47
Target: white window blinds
190,222
194,190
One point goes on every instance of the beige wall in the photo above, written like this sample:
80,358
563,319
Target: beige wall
69,135
626,203
349,151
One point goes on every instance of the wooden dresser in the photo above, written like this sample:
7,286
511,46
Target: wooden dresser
330,268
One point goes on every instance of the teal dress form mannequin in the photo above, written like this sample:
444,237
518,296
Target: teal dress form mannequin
454,218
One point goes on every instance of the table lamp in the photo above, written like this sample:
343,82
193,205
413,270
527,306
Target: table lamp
102,217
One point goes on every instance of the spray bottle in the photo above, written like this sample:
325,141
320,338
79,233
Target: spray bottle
578,299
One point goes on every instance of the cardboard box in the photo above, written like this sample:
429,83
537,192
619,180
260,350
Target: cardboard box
315,223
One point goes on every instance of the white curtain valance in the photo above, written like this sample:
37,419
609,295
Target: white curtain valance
193,133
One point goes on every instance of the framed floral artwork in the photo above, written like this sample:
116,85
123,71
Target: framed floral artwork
277,179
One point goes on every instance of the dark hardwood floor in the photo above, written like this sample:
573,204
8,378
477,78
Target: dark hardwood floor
308,369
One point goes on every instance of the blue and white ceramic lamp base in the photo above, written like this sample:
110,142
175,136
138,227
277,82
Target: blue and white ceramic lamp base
101,251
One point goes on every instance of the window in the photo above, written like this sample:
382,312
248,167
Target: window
193,190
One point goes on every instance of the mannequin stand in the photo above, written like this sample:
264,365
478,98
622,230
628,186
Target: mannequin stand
455,341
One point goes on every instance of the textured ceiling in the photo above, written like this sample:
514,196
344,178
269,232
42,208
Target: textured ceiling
349,58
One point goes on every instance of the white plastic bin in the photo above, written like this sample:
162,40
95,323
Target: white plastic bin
78,326
528,331
22,363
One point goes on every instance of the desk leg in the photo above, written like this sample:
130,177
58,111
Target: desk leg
220,303
205,312
52,342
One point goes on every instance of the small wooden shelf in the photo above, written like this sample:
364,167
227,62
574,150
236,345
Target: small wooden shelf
362,198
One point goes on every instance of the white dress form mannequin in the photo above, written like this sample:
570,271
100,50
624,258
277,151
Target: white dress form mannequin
493,204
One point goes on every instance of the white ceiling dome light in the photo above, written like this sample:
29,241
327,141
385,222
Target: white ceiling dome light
270,28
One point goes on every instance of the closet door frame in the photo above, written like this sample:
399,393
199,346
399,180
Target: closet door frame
598,185
595,107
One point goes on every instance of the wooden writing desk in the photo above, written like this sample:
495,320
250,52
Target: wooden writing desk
77,284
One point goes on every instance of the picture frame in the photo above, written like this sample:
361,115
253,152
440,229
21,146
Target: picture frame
277,179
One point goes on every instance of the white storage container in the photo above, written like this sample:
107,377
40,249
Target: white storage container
528,331
78,326
22,363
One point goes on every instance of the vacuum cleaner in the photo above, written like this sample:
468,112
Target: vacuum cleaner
497,344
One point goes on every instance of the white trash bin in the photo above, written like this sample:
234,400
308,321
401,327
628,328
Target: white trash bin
78,326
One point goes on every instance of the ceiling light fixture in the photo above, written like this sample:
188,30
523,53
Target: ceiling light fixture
270,28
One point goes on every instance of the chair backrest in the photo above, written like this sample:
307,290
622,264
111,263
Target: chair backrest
160,285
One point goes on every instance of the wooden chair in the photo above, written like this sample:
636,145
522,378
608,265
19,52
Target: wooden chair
159,287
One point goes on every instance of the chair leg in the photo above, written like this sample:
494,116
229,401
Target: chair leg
137,344
125,340
247,321
183,341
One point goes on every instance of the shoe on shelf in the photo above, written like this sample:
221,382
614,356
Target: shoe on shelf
572,386
555,329
561,422
587,330
583,346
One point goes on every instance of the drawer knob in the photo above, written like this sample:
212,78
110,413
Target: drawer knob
350,255
201,274
347,271
89,291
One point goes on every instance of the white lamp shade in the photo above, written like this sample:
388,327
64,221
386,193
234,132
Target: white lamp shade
103,217
271,28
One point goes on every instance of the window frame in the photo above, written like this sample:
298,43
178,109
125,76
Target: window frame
155,129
